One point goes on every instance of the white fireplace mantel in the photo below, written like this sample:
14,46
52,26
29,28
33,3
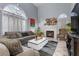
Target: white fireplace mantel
51,28
45,28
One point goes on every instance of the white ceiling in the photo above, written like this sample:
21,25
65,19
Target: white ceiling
40,4
44,4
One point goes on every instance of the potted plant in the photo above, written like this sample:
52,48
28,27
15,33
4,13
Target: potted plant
39,34
68,26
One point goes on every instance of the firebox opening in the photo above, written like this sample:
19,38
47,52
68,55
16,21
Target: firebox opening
50,34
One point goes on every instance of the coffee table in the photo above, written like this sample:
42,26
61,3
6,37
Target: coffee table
37,44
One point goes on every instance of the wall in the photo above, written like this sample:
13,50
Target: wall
31,12
50,10
54,9
30,9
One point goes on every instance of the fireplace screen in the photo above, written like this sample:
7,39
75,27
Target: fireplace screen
50,34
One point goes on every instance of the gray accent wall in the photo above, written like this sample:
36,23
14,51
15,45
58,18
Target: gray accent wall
53,9
31,12
30,9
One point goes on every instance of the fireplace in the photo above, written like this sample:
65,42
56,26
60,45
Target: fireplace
50,34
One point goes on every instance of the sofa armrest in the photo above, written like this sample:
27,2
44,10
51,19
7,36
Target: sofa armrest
4,50
29,53
26,37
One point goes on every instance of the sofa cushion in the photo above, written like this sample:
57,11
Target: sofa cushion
19,35
14,46
11,35
24,34
30,33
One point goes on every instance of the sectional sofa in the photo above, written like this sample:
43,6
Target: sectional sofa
12,44
22,36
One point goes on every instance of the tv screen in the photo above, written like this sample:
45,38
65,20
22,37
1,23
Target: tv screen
75,24
75,19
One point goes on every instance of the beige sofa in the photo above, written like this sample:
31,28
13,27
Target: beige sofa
22,36
8,46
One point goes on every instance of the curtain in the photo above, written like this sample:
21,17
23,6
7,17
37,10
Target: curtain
23,25
19,25
12,24
4,23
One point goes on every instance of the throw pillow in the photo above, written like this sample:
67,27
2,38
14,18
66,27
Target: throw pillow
18,35
11,35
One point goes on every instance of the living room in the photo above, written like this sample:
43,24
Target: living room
36,29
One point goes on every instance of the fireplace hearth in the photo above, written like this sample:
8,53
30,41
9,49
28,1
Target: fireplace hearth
50,34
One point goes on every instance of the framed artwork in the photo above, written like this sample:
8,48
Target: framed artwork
32,22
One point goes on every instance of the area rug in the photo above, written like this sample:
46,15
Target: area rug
48,49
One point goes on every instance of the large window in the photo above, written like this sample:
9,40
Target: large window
13,19
15,10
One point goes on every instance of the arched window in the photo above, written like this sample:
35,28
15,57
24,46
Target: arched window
14,18
15,10
62,19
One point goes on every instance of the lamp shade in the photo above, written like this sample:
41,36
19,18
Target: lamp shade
62,16
74,14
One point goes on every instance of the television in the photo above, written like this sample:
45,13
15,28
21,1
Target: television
75,19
